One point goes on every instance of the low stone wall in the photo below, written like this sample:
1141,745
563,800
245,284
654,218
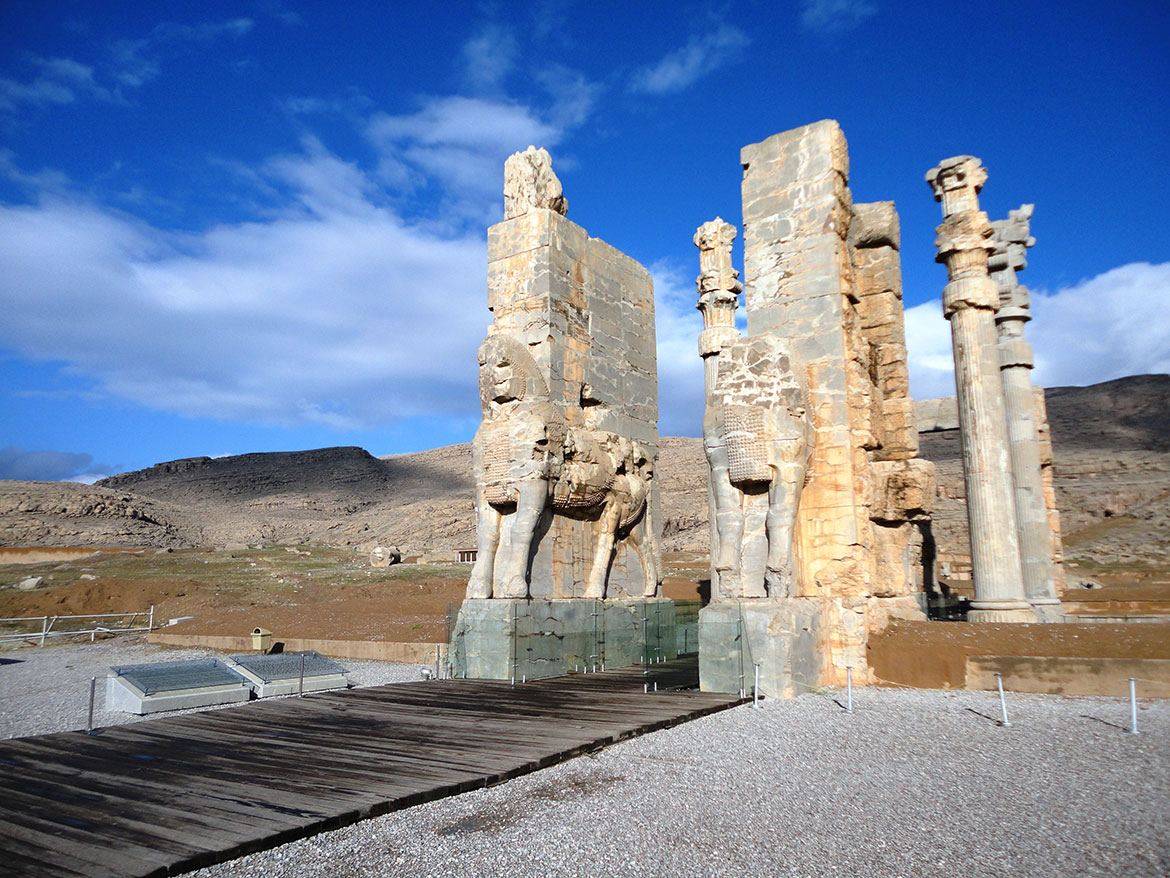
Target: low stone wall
368,650
1055,675
531,639
934,655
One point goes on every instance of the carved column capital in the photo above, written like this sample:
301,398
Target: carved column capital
956,183
719,286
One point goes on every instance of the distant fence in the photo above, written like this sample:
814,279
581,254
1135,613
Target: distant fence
41,628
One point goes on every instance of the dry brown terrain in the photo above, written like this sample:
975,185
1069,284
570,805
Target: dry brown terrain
281,539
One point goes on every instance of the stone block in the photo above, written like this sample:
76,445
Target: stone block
786,638
531,639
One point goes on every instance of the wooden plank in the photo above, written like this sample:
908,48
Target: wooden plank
180,792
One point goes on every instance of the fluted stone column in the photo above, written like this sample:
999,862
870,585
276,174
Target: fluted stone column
970,300
1012,238
719,291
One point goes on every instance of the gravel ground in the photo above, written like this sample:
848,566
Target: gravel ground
912,783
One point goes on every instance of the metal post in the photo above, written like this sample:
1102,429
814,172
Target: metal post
437,663
739,637
150,622
1002,702
301,688
1133,705
44,629
92,692
849,689
756,688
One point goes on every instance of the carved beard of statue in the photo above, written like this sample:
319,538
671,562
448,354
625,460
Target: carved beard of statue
757,437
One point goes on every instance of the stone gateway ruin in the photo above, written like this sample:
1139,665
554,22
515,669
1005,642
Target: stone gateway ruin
819,506
567,509
820,503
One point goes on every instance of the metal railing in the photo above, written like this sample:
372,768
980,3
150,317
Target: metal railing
49,626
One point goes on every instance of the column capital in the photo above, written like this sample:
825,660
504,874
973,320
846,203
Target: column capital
956,183
719,286
1012,239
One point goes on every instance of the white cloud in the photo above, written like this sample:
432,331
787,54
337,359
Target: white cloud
834,16
680,370
1110,326
461,143
928,351
335,312
681,68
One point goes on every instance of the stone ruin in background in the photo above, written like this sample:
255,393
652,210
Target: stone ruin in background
566,502
1013,527
819,504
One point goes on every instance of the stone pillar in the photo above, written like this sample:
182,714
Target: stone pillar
1012,238
719,290
970,300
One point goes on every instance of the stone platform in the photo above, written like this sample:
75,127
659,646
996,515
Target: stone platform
496,639
786,637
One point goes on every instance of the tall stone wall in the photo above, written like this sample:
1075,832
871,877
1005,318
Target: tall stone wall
567,503
822,279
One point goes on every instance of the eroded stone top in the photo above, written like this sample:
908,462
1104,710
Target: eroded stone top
529,182
956,183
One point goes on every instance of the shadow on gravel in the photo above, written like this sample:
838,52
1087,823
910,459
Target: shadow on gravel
998,722
1098,719
8,661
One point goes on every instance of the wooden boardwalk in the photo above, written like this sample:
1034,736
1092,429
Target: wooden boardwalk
174,794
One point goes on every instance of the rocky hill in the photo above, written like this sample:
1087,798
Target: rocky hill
1112,443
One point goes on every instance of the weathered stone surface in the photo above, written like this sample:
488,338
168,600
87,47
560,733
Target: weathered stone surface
970,300
1012,239
385,556
823,291
529,182
564,457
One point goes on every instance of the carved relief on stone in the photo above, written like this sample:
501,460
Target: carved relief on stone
757,438
529,181
528,463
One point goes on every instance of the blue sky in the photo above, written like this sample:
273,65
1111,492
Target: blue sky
236,227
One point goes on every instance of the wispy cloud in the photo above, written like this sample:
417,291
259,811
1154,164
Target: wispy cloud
685,66
1110,326
488,58
137,61
835,16
460,143
59,81
129,65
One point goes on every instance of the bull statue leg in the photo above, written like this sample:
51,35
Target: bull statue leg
487,542
729,525
788,471
607,527
532,496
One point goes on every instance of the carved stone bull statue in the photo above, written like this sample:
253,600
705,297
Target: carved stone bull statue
758,439
528,461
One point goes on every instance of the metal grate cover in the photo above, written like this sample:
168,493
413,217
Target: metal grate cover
287,665
176,676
